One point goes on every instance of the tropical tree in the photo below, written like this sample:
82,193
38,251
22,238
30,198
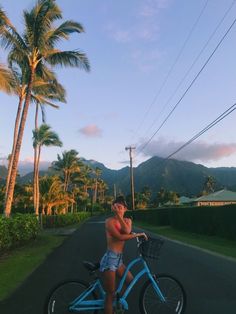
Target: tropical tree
209,185
97,172
43,93
68,164
102,187
52,195
43,136
36,50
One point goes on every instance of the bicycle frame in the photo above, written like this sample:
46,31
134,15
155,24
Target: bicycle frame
83,303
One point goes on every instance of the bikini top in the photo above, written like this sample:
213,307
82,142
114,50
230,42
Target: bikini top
117,226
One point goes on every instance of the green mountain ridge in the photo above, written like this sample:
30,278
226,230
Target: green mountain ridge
183,177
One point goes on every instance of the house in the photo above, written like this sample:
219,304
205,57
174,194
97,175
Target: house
219,198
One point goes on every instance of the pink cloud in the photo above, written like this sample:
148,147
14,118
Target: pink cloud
91,130
196,151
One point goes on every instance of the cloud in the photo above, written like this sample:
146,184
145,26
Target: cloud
152,7
144,24
91,130
27,165
196,151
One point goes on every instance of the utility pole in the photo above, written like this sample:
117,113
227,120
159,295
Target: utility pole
130,149
114,191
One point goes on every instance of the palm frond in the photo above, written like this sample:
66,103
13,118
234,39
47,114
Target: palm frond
63,32
44,136
41,18
68,58
43,113
7,81
39,99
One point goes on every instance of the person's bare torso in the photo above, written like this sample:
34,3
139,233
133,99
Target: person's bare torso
114,244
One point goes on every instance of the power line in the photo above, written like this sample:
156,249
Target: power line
191,84
208,127
173,65
194,62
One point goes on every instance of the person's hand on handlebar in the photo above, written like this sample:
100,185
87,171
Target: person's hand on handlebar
143,235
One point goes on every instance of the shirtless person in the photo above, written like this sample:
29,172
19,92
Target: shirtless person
118,230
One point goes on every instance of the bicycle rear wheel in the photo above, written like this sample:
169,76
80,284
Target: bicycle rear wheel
171,288
62,295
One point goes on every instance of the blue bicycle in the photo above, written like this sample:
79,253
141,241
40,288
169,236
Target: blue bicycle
161,294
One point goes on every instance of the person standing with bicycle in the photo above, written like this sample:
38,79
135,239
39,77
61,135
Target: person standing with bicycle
118,230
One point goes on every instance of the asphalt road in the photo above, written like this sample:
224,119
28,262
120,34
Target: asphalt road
209,281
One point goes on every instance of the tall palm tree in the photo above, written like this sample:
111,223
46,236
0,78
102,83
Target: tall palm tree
43,136
97,173
42,94
68,164
36,50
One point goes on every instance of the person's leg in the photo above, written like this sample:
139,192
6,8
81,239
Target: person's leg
120,271
109,279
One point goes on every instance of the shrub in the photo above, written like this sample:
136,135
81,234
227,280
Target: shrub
157,217
17,230
62,220
208,220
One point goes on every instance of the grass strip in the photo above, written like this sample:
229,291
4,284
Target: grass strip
212,243
17,264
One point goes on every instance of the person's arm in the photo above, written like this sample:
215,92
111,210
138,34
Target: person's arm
110,226
125,223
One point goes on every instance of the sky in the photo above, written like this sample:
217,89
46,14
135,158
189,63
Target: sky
161,71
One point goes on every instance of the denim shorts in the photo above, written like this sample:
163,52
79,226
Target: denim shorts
111,261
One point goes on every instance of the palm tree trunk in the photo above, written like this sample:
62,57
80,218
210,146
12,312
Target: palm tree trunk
16,129
37,182
95,192
35,160
15,160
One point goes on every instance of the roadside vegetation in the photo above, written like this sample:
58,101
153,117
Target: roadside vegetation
211,243
17,264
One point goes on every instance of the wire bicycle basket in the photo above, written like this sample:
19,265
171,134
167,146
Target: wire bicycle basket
151,248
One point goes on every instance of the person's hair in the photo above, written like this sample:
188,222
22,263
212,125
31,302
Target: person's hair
120,200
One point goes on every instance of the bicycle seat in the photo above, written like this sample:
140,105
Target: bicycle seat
91,266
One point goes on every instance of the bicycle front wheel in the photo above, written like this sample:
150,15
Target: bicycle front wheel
62,295
172,290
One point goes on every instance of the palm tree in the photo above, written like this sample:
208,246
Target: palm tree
51,193
68,164
36,50
43,136
42,94
97,173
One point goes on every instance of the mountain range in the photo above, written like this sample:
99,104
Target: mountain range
183,177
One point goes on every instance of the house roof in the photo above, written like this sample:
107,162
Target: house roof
222,195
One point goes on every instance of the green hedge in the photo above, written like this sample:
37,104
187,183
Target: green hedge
17,230
62,220
208,220
157,217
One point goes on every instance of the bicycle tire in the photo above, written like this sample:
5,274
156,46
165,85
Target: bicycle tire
60,297
172,289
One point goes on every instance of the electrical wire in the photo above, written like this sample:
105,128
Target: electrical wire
188,88
194,62
208,127
172,67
